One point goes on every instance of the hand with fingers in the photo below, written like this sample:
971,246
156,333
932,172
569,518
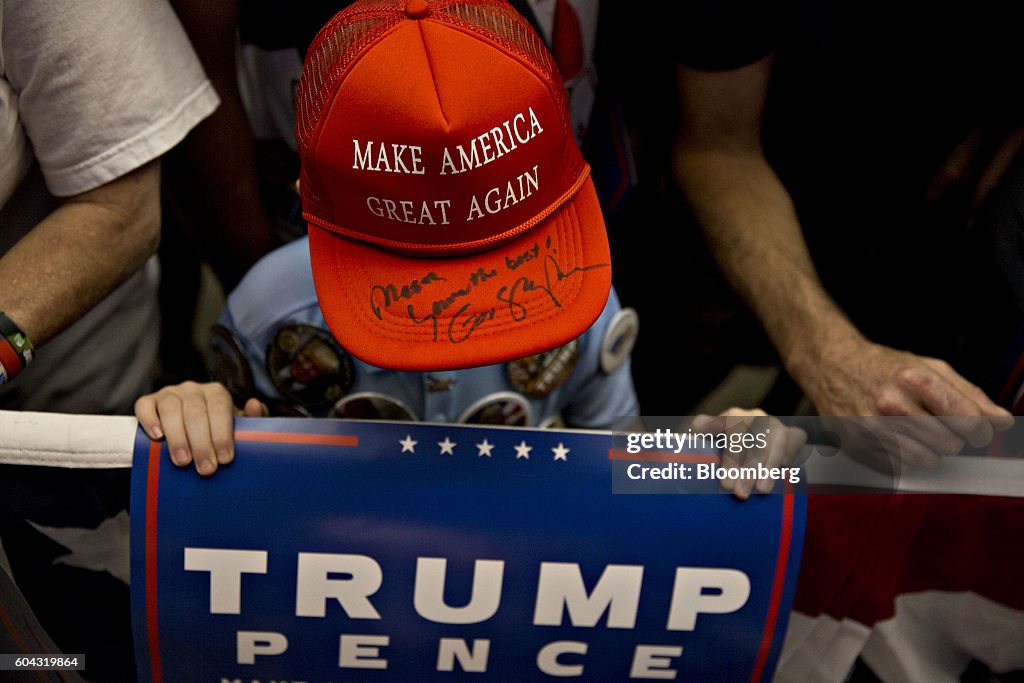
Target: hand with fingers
931,411
198,422
778,448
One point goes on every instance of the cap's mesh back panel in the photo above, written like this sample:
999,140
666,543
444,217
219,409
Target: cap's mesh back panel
330,54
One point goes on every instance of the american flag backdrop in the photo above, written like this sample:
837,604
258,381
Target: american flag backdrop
918,586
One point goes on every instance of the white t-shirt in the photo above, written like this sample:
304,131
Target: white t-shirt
90,91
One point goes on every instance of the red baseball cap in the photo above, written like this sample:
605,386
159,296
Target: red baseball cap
452,219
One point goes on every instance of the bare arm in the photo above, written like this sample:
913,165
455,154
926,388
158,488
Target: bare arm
745,211
80,253
752,227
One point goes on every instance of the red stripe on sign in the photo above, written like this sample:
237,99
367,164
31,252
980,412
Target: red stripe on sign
660,456
781,561
152,633
297,438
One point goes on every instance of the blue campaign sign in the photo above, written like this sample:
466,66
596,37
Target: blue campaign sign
337,551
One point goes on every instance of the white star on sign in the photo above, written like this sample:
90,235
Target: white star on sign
560,451
103,549
447,446
523,451
485,448
408,445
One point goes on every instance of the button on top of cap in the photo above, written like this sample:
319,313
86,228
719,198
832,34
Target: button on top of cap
417,9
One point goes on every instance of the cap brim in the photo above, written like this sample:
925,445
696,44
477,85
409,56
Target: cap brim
531,294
